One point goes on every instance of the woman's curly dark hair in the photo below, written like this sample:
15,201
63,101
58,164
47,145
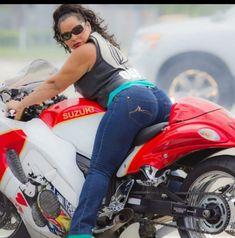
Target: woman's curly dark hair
86,15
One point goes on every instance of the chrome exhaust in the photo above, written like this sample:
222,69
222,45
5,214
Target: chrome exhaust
122,218
119,220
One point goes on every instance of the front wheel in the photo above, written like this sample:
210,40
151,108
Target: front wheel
11,224
211,185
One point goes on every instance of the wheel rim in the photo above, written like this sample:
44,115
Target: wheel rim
194,83
11,227
213,182
10,220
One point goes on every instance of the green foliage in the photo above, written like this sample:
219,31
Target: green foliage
33,37
9,37
191,9
45,52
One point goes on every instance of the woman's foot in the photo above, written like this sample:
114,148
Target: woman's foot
80,236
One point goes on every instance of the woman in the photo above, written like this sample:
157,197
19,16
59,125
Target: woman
99,71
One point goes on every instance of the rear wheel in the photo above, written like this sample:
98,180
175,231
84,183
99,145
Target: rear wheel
11,224
211,185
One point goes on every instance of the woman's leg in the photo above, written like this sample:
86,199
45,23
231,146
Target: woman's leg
130,111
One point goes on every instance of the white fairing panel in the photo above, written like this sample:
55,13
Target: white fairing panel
80,132
122,171
55,157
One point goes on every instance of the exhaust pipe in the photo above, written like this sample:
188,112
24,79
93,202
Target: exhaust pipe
122,218
119,220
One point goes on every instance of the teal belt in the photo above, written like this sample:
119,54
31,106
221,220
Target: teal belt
128,85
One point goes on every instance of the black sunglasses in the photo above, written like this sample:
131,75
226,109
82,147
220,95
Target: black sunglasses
76,31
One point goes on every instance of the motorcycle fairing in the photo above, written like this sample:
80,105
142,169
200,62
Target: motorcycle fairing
76,121
122,171
37,147
171,144
37,71
13,139
36,143
187,108
43,145
70,109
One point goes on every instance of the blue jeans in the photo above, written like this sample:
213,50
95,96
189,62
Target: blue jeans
131,110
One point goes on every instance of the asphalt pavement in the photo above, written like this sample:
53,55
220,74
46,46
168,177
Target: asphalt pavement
163,232
132,232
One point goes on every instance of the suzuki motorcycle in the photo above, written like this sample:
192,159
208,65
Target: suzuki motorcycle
179,173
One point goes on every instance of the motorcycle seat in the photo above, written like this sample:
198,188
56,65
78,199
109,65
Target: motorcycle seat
142,137
148,133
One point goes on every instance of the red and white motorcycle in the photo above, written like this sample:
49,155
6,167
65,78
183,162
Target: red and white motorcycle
183,168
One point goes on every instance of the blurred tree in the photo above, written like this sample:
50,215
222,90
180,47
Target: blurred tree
191,9
30,25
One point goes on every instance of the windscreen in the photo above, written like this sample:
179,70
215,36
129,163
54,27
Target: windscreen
37,71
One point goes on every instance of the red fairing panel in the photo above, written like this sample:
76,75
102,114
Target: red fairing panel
70,109
11,140
182,138
190,107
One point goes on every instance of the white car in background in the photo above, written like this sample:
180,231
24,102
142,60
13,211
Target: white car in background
193,57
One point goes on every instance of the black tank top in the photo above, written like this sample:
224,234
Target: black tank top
110,70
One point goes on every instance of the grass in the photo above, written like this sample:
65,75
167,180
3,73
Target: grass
45,52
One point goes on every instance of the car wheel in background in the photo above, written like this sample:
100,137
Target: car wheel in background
197,74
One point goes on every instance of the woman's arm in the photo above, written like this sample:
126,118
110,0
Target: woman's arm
79,62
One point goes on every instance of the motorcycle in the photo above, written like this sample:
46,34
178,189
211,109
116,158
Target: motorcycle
179,173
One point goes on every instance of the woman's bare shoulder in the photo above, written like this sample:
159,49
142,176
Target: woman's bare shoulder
86,50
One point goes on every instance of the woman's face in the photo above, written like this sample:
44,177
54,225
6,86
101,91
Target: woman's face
74,32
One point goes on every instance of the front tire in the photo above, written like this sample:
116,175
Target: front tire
214,176
11,224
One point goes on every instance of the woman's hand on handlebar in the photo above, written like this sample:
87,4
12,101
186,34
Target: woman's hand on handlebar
15,106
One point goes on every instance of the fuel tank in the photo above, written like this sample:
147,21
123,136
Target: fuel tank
76,121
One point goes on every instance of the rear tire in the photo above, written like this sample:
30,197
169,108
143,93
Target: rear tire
208,177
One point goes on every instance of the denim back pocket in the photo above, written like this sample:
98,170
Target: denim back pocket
141,111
